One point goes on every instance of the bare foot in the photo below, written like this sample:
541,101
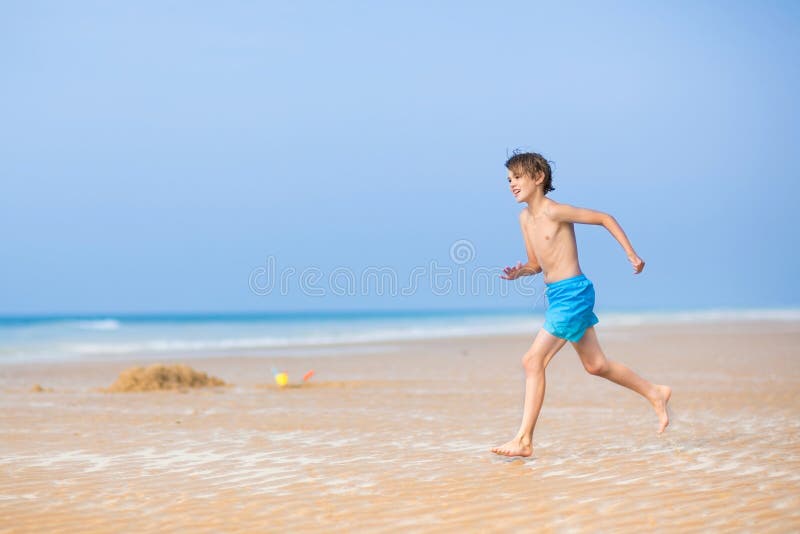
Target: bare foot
515,447
660,405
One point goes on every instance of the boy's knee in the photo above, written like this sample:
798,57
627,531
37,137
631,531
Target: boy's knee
597,367
532,363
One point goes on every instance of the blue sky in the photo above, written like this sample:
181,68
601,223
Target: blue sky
153,154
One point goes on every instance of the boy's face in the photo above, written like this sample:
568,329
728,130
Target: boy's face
521,184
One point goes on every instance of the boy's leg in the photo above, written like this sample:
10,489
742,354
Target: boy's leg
534,362
596,363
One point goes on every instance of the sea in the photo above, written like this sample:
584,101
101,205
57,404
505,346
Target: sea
48,338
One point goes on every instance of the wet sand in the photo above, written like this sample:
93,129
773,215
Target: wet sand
400,439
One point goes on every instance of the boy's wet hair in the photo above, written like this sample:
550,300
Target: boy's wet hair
531,163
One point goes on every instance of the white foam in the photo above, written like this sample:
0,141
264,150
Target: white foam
102,324
350,337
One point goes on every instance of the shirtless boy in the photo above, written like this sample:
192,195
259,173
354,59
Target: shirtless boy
549,234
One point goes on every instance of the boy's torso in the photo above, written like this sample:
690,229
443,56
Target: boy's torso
553,243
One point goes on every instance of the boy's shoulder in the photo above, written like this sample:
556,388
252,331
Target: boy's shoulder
550,208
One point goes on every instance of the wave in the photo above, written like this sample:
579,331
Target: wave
102,324
270,342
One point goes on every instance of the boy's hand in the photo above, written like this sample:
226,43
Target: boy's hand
637,262
512,272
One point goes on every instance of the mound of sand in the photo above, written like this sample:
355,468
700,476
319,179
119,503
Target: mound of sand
162,377
37,388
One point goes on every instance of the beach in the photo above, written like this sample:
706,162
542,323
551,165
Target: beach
396,436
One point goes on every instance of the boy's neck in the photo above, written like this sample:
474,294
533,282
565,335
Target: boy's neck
536,203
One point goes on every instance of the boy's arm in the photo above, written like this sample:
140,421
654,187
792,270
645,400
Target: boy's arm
567,213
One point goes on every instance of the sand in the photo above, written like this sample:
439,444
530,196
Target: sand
160,377
400,439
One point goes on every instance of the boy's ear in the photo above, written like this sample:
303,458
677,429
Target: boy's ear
538,178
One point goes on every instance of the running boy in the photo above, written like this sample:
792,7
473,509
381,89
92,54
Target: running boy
549,234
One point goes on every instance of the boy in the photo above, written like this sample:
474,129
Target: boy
549,234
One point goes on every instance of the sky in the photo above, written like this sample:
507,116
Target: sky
159,156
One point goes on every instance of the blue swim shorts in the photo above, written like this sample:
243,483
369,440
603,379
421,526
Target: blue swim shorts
570,307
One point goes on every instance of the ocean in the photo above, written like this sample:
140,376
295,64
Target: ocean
152,336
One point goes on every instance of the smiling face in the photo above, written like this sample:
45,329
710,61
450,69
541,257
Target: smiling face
521,185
